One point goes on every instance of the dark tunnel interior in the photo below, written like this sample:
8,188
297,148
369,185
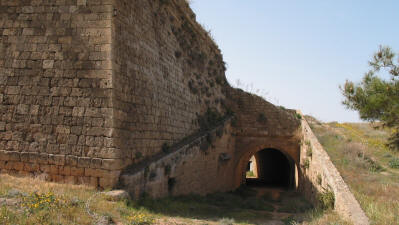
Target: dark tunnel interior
274,169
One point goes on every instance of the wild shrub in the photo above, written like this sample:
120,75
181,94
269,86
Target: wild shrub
262,118
306,164
165,147
36,202
141,218
309,152
394,163
326,200
209,119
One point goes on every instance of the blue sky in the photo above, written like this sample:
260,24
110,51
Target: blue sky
297,53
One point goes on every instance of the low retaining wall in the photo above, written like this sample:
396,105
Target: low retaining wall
320,176
201,166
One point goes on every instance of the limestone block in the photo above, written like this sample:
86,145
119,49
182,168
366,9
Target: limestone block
10,156
84,162
96,163
31,167
113,164
89,172
24,156
23,109
61,129
108,182
71,160
48,64
70,179
58,160
78,111
79,172
64,170
13,165
117,195
110,153
43,158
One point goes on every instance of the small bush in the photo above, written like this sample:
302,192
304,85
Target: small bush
319,179
326,200
141,218
394,163
309,152
165,148
209,119
36,202
298,116
306,164
262,118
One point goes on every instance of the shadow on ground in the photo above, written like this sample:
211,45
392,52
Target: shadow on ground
255,205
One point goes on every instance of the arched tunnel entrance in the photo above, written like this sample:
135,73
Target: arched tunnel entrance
271,168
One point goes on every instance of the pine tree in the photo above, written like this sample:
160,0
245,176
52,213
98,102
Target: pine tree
375,98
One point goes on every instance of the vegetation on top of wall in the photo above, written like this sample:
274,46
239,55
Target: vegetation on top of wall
298,116
309,152
165,148
306,164
209,119
326,199
262,118
319,179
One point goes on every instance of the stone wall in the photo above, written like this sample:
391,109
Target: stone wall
261,125
167,72
88,87
56,89
199,166
319,176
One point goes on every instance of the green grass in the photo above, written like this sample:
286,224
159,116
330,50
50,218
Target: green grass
361,156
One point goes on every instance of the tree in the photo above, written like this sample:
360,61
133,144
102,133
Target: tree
375,98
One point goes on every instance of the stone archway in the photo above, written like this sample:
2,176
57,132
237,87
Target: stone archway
275,167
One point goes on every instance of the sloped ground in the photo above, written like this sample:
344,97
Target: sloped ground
366,164
31,201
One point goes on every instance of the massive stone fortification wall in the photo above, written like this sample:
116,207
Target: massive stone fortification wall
88,87
56,89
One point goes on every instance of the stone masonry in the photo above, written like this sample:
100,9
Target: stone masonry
133,94
90,86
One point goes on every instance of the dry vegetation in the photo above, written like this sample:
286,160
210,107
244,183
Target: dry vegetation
366,164
32,201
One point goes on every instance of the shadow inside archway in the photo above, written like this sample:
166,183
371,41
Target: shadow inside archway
270,168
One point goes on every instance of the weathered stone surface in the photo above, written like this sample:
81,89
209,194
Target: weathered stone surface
70,110
117,195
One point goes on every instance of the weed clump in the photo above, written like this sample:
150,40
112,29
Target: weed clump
165,147
209,119
141,218
306,164
262,118
309,152
326,200
394,163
